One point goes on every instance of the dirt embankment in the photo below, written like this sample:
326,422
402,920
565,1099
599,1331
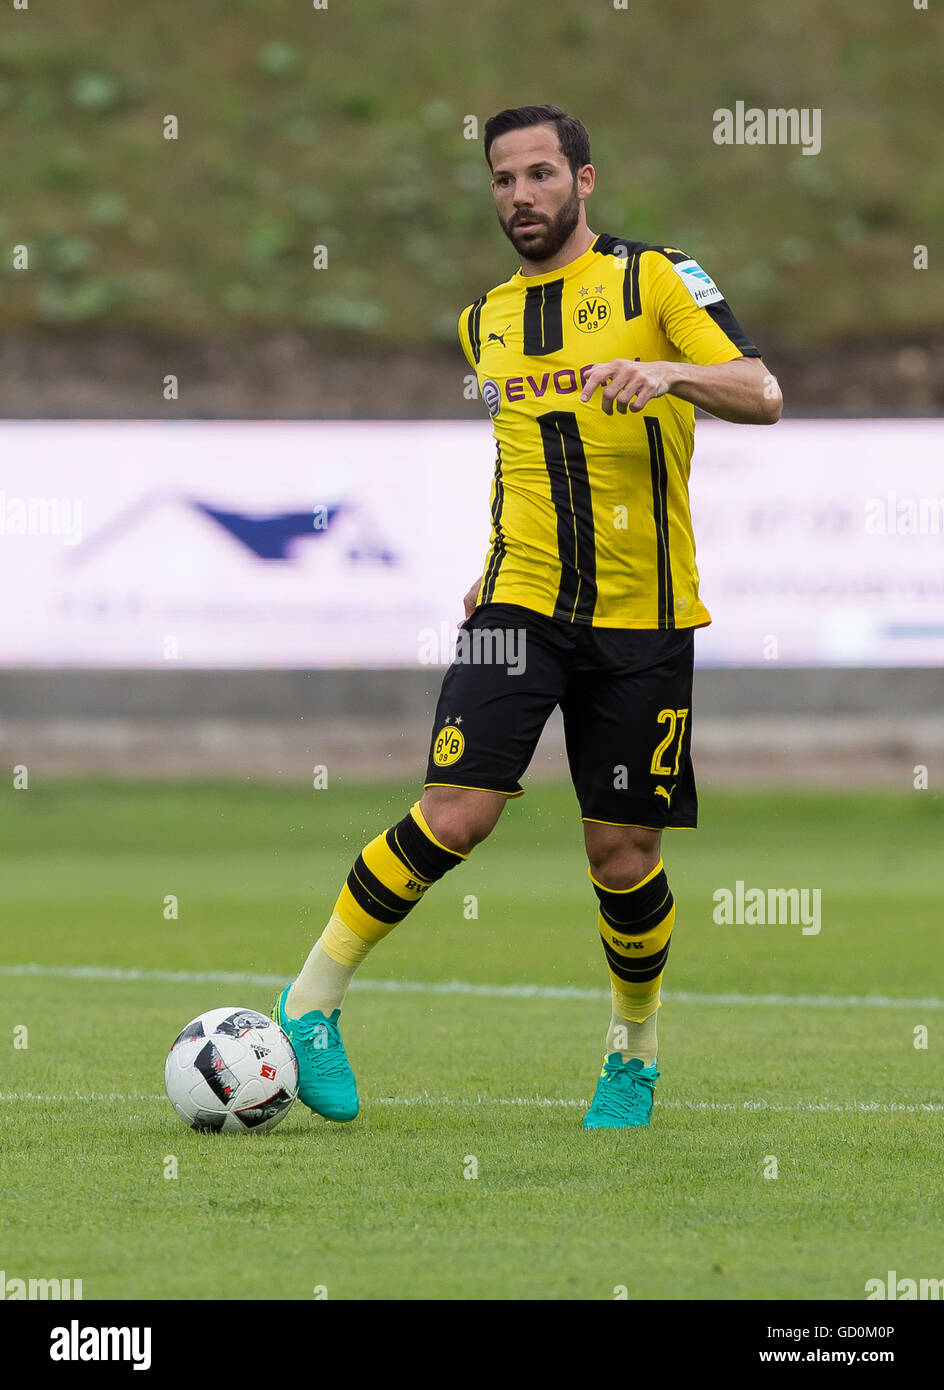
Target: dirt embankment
120,374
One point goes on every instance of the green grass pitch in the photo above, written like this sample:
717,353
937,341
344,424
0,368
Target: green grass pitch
837,1093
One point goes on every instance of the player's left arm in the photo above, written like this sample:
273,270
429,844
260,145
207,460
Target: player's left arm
723,372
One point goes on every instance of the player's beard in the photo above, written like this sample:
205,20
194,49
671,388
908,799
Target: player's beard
552,234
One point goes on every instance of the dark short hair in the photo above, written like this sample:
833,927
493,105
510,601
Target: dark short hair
571,134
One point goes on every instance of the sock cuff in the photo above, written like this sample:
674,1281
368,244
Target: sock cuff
636,910
415,845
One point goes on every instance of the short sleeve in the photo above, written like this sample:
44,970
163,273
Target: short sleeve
464,337
470,332
691,310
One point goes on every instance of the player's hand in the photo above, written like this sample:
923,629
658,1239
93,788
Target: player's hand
469,600
622,380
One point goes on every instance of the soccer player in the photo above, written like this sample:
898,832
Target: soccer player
591,359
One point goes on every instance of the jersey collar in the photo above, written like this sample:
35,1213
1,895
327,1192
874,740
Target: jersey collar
563,272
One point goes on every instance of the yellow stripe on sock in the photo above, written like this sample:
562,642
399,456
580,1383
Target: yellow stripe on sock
353,916
637,1002
404,882
653,940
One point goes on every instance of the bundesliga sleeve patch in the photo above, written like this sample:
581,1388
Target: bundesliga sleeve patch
698,282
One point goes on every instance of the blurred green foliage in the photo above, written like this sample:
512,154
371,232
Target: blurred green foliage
346,127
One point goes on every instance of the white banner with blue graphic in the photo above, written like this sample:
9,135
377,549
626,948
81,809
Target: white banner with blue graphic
210,544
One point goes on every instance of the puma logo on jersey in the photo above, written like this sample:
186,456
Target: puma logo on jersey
661,791
498,337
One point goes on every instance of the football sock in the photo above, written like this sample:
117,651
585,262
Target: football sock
323,981
636,927
633,1038
388,879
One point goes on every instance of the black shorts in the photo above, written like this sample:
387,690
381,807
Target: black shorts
625,694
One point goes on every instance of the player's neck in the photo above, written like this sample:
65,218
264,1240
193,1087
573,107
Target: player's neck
573,248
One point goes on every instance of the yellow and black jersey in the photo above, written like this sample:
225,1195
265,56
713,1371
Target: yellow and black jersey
590,512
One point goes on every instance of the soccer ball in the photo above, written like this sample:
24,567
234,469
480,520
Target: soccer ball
232,1070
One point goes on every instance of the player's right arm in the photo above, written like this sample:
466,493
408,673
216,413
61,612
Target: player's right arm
717,367
742,390
721,370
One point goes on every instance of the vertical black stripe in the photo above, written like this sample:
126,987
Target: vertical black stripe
498,544
632,304
553,319
543,320
474,327
623,248
533,328
660,512
570,492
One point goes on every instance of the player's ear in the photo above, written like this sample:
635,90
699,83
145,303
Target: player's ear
586,178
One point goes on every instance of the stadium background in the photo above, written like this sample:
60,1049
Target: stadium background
344,127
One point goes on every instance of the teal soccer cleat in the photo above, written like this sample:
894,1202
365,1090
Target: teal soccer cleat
623,1097
325,1081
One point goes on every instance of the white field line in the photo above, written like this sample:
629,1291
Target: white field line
860,1107
227,977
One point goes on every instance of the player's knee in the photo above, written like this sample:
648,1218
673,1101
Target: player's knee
622,856
461,817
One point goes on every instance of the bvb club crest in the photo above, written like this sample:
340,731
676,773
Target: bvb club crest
448,747
592,313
